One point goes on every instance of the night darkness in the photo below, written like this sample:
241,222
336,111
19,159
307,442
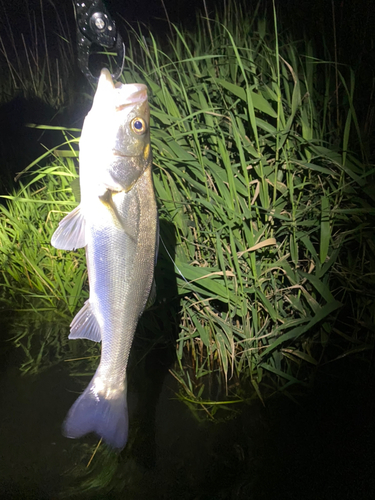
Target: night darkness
354,24
318,446
340,27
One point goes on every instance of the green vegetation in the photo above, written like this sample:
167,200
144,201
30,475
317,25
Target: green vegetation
27,65
272,213
33,272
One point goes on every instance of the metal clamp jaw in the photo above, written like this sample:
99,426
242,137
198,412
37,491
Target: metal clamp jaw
95,26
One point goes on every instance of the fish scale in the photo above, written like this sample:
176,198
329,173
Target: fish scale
117,222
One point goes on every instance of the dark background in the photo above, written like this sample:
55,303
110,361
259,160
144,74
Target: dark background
324,447
341,29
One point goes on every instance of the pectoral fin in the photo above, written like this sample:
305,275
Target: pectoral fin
110,200
70,233
85,325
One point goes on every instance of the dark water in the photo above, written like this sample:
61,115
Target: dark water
321,448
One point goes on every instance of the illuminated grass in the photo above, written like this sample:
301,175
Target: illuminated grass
245,171
258,182
32,270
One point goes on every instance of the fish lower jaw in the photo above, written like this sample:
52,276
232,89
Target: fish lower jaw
121,155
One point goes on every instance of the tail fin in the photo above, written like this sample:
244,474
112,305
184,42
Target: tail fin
107,417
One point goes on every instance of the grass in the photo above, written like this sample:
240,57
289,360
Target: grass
37,62
33,272
251,175
254,173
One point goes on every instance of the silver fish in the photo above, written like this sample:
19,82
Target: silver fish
117,222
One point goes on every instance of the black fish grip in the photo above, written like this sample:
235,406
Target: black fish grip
95,26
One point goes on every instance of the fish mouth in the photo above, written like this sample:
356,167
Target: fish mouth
135,98
126,94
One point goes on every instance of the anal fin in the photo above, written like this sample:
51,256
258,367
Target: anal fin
85,325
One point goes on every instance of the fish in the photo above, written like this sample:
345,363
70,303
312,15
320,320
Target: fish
117,223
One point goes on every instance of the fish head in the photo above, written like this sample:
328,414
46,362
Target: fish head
115,143
131,148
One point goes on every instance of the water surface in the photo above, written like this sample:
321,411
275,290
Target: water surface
323,447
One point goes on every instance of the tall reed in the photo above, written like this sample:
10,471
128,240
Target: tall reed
258,187
37,59
250,173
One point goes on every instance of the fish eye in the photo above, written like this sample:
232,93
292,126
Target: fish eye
138,125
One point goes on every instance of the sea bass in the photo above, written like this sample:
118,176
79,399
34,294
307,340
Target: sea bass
117,222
